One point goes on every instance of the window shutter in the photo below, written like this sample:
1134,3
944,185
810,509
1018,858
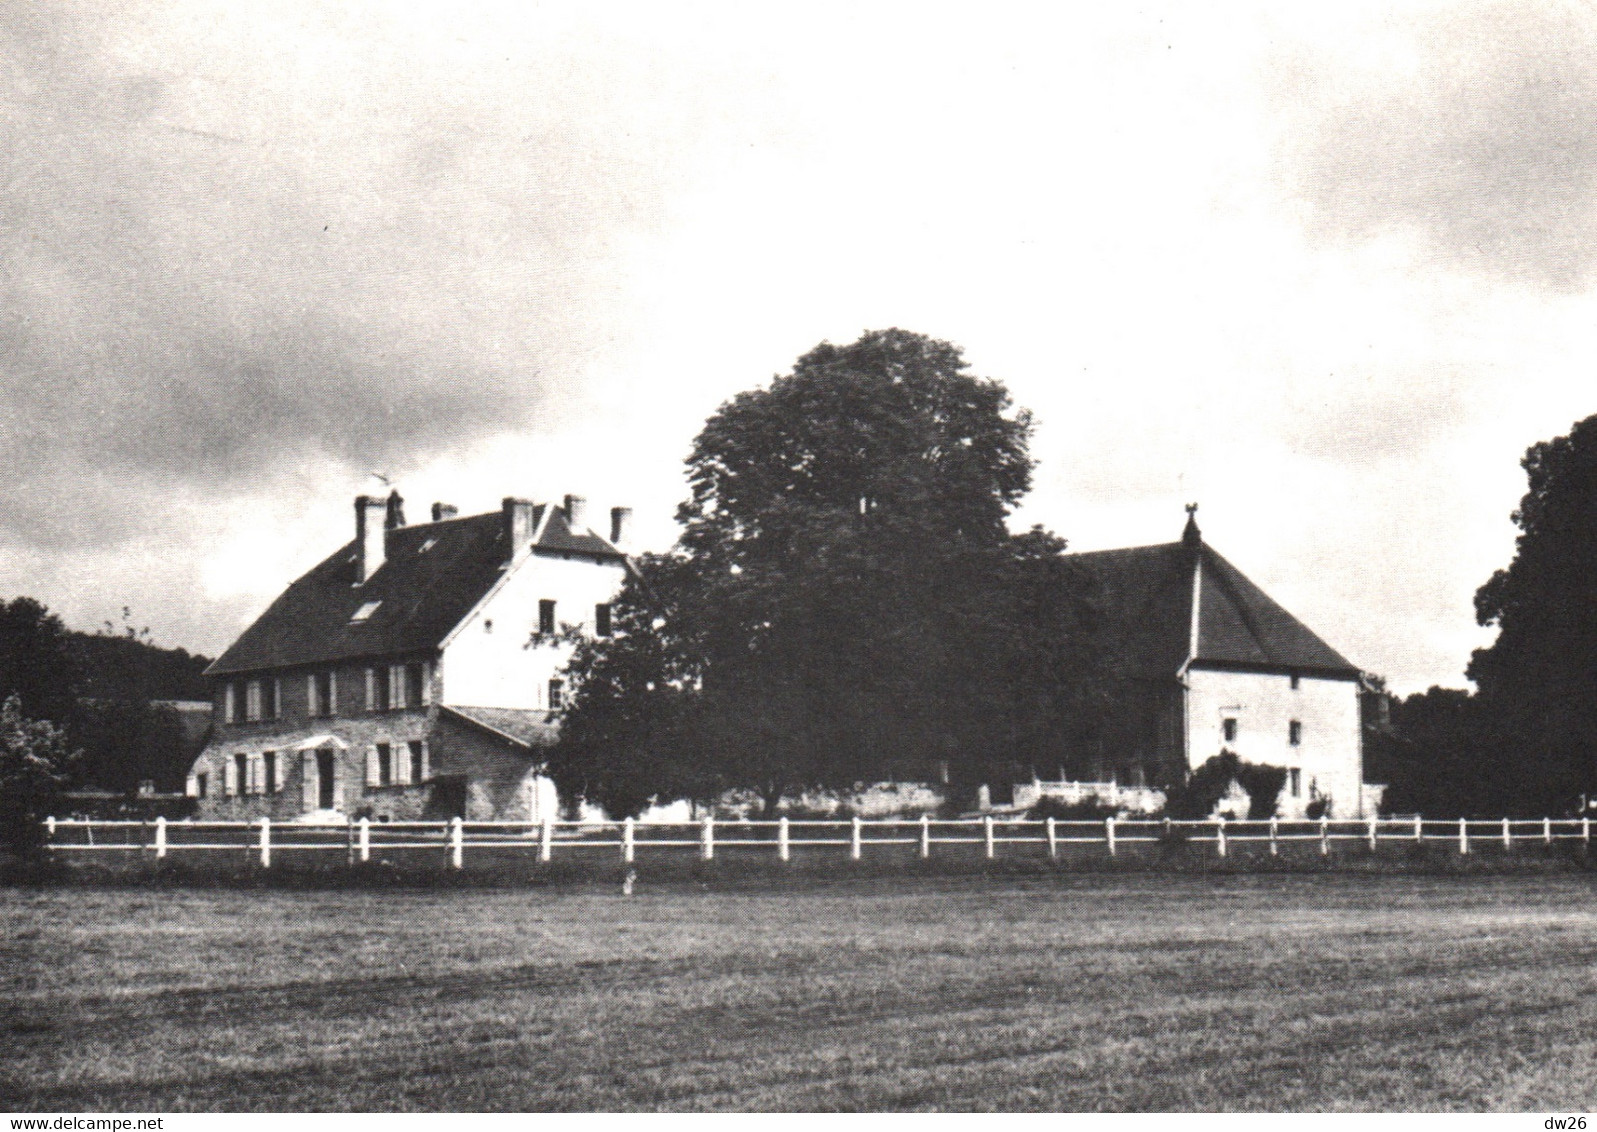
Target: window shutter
398,694
191,788
371,689
312,708
307,769
426,769
426,683
258,766
230,698
373,772
229,778
277,697
401,756
332,693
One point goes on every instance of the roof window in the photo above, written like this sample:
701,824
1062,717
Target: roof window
365,611
428,545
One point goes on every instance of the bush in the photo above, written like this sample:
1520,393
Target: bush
1196,799
1090,810
34,760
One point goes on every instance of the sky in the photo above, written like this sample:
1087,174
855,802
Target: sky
1327,270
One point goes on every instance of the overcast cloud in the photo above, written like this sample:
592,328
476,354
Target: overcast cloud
1326,270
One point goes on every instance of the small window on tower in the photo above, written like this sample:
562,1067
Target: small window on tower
557,694
1295,681
546,616
1294,733
1295,781
601,619
1228,730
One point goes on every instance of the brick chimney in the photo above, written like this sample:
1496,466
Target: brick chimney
519,527
396,512
370,514
620,525
576,511
444,511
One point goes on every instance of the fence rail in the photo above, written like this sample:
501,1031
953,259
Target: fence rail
628,839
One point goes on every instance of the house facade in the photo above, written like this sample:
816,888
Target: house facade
413,674
1202,661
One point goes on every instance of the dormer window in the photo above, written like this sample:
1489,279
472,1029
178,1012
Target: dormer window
365,611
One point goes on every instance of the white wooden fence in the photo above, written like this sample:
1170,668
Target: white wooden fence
629,840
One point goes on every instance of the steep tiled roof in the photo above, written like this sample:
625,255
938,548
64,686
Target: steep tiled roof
433,574
1147,594
527,728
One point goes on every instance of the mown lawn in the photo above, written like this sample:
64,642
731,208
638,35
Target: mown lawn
1090,992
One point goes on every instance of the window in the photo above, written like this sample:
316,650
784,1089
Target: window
200,782
396,686
601,619
546,616
1295,681
252,700
415,685
241,774
1294,733
1294,778
385,765
321,694
557,692
376,689
269,699
1228,730
418,760
230,703
364,611
269,781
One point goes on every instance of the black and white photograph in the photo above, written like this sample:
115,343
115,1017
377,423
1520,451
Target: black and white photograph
866,558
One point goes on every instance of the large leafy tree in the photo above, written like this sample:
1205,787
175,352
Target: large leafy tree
37,660
1538,680
845,600
34,763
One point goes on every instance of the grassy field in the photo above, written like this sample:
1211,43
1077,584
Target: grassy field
1131,992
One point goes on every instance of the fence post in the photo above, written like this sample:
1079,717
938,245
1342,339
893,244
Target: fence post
987,835
1419,828
1272,835
457,841
1053,841
266,843
627,854
546,840
1585,832
1547,831
707,838
1109,834
1508,842
1463,837
925,836
363,835
782,849
49,826
1325,836
160,838
1219,834
1373,832
853,838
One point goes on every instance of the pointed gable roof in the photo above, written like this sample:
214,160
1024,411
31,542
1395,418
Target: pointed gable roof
1147,592
432,576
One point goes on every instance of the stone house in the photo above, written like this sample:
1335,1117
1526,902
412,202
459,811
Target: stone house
1203,661
415,673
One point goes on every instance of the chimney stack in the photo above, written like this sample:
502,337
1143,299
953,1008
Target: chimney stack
620,525
369,533
444,511
519,526
576,510
396,512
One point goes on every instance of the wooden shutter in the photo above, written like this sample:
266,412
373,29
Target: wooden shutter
398,694
229,777
332,693
191,788
426,683
312,708
373,771
400,754
371,689
307,767
230,696
426,770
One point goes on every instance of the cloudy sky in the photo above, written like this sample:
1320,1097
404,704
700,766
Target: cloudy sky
1327,272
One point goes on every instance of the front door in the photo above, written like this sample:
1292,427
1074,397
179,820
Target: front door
324,779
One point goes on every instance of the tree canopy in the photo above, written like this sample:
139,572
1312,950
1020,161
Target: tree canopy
845,599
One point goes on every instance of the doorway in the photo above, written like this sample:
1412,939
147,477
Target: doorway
324,779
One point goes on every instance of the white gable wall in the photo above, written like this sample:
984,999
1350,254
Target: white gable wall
489,662
1264,705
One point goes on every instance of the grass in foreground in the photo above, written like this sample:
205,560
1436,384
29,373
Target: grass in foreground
1129,992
